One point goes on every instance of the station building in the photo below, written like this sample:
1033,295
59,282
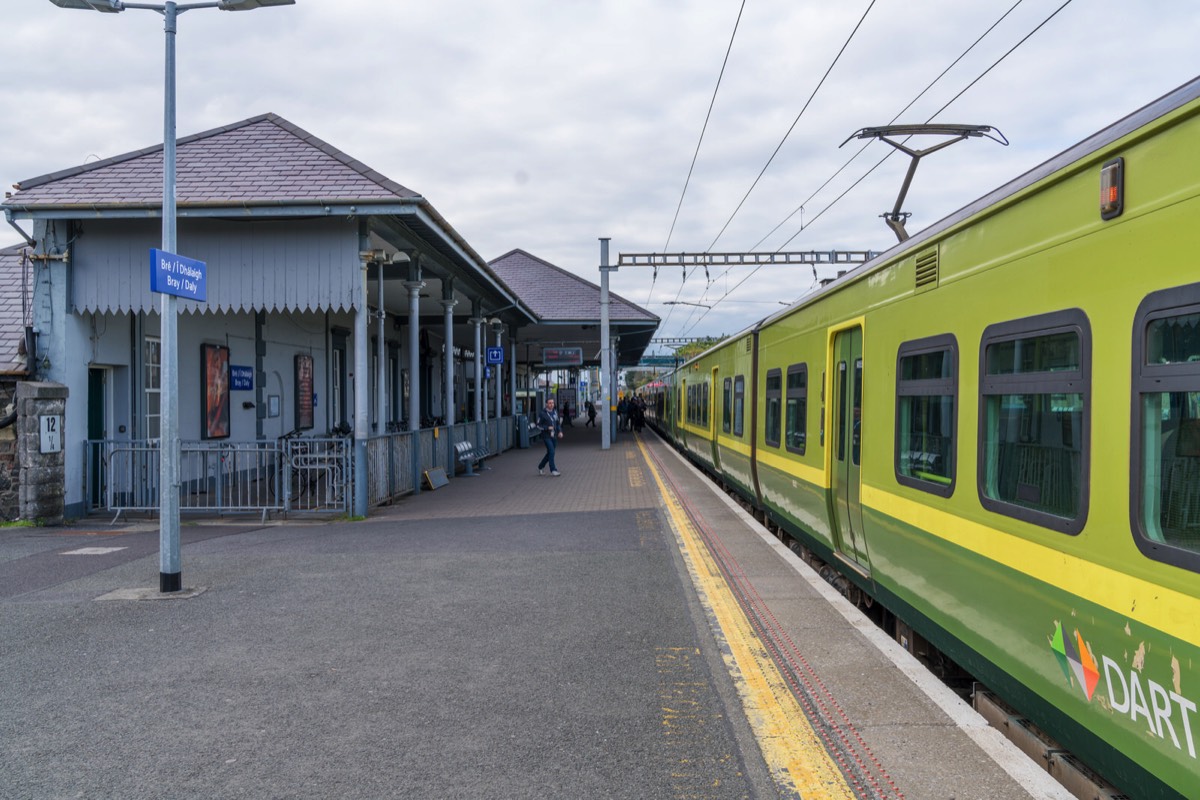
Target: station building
339,304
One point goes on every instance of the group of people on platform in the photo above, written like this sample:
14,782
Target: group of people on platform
631,414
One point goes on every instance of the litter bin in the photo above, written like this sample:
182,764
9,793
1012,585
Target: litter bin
522,431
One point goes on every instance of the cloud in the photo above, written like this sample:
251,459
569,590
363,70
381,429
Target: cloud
546,124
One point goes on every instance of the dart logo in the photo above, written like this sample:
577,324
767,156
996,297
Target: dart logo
1076,660
1162,711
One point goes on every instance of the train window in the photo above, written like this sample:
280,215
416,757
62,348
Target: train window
926,414
726,404
797,408
774,407
1165,506
822,435
739,404
1034,419
697,410
856,435
839,399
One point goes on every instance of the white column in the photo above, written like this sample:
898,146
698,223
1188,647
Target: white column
497,326
477,321
362,394
381,393
414,353
449,408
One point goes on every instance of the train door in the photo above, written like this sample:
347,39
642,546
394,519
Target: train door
845,459
710,413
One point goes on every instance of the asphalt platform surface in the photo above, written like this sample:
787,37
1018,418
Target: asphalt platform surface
510,635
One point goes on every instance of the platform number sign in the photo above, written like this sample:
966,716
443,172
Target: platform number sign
50,426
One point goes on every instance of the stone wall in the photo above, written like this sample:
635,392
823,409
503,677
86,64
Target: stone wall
10,502
42,490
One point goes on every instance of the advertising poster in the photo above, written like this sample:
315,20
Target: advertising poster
304,392
214,378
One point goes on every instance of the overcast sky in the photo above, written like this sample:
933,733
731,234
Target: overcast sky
546,124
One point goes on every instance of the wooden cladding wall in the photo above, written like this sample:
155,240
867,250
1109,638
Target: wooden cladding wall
270,265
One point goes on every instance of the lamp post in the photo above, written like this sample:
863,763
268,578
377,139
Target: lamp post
170,576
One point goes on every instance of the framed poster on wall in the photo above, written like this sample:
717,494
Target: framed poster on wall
304,392
214,401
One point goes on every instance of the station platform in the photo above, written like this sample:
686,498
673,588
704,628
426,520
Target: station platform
623,630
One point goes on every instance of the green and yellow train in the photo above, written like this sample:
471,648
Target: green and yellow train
993,430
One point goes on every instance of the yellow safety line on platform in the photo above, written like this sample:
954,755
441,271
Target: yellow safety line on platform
794,753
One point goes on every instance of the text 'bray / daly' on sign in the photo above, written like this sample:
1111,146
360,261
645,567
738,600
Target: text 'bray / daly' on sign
177,275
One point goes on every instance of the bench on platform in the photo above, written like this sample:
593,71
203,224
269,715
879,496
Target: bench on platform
470,455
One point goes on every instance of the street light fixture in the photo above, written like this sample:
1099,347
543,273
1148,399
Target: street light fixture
114,6
170,575
93,5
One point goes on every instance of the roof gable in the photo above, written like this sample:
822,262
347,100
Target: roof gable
553,294
261,160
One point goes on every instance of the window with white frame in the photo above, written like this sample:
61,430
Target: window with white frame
152,380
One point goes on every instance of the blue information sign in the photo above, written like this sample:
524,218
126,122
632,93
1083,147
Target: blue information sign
495,355
241,378
177,275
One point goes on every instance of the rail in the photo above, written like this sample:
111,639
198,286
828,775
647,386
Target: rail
290,475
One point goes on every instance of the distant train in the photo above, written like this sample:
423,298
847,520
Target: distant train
993,430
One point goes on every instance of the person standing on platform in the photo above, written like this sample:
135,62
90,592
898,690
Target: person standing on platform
551,428
591,414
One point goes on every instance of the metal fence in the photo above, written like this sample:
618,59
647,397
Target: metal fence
289,475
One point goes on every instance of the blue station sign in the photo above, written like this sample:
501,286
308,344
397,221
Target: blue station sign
241,379
495,355
177,275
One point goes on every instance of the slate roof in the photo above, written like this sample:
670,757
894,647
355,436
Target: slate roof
555,295
13,279
264,160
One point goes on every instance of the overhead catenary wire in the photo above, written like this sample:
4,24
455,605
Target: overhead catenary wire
712,102
910,104
782,141
837,199
778,147
948,103
800,208
704,127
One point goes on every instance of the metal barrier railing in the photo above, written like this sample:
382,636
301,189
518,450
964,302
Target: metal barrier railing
297,474
318,475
